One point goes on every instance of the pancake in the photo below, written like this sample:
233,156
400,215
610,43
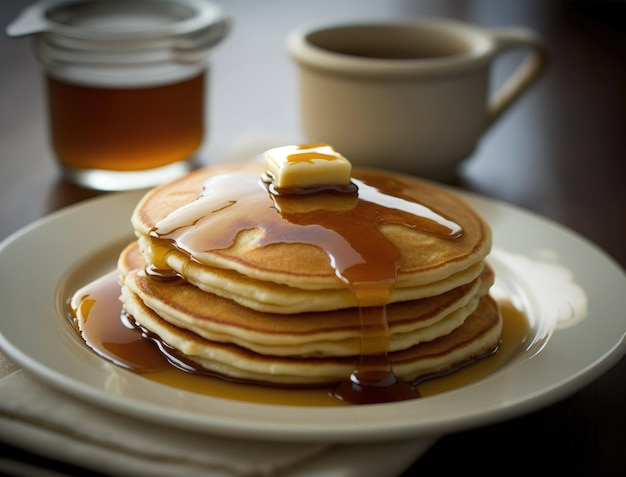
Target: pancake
478,335
335,333
248,251
269,296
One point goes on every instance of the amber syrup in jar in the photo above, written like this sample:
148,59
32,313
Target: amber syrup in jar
123,128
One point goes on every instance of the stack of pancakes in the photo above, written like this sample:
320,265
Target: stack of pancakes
256,287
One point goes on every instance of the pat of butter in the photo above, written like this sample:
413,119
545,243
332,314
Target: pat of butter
310,165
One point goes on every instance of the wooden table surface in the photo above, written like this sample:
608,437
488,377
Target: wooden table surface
560,152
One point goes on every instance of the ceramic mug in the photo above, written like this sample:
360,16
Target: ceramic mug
412,96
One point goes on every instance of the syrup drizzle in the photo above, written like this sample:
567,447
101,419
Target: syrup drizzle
359,253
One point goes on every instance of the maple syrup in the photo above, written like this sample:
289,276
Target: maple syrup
369,267
126,129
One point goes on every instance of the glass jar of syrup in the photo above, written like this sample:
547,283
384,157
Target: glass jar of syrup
126,85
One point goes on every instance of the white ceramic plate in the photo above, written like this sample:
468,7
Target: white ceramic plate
572,293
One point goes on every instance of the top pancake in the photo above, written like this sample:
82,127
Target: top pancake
223,217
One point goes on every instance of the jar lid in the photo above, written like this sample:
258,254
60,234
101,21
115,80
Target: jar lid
182,30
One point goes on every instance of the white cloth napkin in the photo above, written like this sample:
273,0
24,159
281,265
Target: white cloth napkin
47,422
39,419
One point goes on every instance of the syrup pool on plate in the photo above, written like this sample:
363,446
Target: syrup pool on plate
105,328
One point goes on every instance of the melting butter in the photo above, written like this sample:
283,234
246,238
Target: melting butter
311,165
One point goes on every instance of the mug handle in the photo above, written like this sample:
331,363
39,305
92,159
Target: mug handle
526,73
